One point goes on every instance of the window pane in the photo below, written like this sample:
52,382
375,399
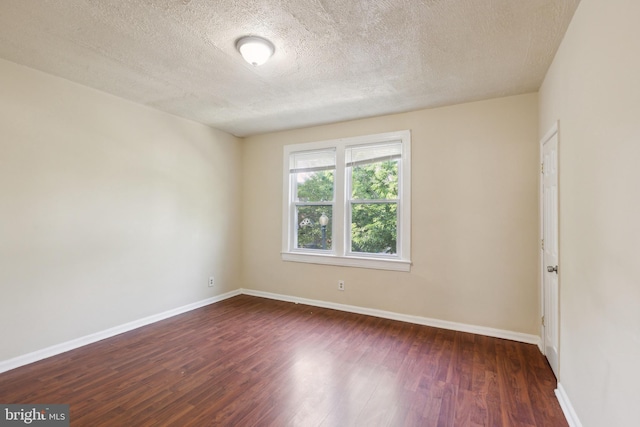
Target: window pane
311,234
314,186
374,228
375,181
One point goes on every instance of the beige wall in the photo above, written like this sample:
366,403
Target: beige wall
475,210
109,211
593,88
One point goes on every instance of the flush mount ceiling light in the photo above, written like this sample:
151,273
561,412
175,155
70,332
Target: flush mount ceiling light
255,50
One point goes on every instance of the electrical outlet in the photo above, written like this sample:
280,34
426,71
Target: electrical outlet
211,281
341,285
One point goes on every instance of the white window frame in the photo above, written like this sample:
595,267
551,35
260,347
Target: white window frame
340,253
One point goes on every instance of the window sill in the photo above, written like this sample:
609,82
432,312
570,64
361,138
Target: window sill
372,263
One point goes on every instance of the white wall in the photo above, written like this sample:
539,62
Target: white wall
109,211
475,213
593,88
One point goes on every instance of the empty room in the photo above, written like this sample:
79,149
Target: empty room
320,213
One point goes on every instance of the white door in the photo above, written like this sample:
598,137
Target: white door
550,249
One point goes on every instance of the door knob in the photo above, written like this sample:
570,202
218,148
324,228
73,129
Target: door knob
551,269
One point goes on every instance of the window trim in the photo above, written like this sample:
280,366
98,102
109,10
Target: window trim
339,254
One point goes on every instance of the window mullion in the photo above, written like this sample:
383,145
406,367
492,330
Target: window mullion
404,206
348,206
339,223
401,201
293,231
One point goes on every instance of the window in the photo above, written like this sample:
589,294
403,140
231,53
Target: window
347,202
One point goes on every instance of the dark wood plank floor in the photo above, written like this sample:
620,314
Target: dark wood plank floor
249,361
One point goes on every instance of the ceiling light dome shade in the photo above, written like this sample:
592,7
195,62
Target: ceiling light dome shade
255,50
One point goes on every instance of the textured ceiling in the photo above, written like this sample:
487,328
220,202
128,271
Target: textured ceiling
335,60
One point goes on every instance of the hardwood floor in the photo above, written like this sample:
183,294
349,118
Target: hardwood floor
249,361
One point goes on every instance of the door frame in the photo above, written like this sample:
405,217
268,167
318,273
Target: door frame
553,131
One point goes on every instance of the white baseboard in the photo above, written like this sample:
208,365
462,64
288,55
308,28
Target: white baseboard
7,365
37,355
567,407
563,399
444,324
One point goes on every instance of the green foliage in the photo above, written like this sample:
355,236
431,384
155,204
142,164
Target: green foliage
309,230
374,228
375,181
316,187
373,225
